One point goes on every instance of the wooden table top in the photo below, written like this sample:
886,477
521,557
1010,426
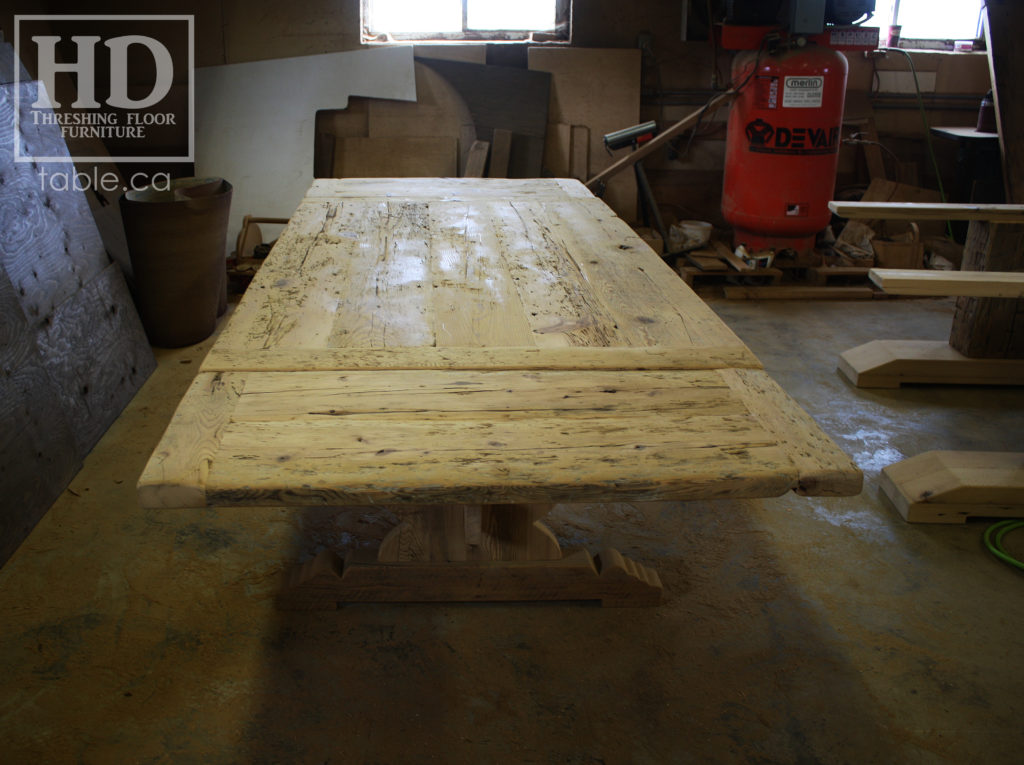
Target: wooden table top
415,341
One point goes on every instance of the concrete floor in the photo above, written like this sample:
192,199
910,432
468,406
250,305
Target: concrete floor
794,630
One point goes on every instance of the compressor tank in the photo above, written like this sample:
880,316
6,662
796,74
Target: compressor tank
782,146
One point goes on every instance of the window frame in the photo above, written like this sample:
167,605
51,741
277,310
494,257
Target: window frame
561,33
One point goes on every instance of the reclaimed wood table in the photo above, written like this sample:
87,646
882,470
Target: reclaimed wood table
468,352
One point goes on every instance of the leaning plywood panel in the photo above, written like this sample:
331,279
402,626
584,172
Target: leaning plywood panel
38,456
600,89
49,245
72,346
255,122
96,352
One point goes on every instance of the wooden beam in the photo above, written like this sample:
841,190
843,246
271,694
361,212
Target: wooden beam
935,211
577,358
477,159
661,139
972,283
950,487
990,327
799,293
891,363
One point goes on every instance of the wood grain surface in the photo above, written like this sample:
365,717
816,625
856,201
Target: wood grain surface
38,456
492,343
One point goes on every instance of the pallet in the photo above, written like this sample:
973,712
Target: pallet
950,487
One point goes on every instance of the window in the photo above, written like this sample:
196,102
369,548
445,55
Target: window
931,19
474,20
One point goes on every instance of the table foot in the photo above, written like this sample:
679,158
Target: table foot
327,582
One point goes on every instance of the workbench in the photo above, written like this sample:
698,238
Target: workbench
468,352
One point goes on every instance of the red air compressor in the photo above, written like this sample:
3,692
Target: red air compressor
782,145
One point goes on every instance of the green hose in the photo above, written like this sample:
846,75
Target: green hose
1000,530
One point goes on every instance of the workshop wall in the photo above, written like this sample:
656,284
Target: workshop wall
678,76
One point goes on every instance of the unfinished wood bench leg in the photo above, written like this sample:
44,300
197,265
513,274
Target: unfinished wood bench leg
891,363
952,486
470,553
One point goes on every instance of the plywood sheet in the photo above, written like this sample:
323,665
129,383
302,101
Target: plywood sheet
419,157
599,89
255,121
506,98
49,245
38,456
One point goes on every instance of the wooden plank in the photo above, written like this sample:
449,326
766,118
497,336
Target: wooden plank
477,160
990,327
176,474
226,359
730,258
600,90
660,140
952,486
446,189
326,582
891,363
799,293
823,469
558,150
419,157
922,211
708,262
971,283
1006,61
501,148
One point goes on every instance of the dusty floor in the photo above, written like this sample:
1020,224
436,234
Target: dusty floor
793,630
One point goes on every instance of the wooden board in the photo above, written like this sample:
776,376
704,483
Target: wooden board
469,357
476,163
506,98
990,327
799,293
448,189
419,157
464,272
891,363
1006,60
973,283
437,111
598,89
501,150
72,349
927,211
49,244
96,352
952,486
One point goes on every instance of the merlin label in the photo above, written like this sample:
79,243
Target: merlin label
803,92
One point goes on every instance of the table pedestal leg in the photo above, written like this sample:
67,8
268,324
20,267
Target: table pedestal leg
470,553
